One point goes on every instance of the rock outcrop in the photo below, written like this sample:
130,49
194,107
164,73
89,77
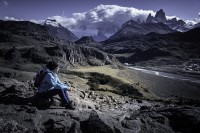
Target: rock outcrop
160,16
19,113
177,25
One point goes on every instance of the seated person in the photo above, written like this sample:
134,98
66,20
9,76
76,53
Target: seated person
51,85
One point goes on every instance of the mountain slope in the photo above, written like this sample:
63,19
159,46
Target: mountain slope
26,42
156,49
132,27
57,30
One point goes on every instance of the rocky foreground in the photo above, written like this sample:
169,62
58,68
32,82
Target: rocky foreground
23,111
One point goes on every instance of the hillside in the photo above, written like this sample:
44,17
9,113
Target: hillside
26,42
155,49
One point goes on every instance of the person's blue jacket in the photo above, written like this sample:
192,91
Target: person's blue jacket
51,81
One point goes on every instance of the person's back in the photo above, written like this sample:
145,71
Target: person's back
51,85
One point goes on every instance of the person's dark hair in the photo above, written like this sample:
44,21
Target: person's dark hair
52,65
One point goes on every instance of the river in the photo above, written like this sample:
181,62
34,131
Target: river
167,85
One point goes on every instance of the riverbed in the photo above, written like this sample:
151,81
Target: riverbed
166,85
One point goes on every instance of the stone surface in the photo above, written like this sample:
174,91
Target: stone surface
105,114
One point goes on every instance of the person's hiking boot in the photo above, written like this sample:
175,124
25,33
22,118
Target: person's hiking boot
70,106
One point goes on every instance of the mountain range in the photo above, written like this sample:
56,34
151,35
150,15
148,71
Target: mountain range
134,28
132,43
157,24
178,25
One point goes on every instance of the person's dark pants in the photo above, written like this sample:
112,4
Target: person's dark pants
62,93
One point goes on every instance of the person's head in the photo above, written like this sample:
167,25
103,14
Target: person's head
53,66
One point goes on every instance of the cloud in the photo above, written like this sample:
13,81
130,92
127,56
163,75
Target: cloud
105,17
190,23
3,3
12,19
7,18
37,21
112,13
197,20
67,22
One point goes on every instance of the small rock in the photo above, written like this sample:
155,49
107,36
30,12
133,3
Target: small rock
83,106
96,107
91,93
101,97
144,107
32,110
89,107
139,101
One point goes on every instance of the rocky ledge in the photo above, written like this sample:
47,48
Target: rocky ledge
20,112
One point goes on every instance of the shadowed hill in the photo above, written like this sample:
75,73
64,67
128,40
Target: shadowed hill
27,42
155,48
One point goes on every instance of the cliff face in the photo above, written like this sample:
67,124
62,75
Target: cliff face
177,25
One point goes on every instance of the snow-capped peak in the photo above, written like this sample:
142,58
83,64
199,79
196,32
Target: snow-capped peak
52,22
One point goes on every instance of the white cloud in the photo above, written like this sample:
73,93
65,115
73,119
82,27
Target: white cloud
104,17
37,21
7,18
113,13
67,22
198,18
191,23
12,19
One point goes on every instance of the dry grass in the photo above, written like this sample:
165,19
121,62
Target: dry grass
124,76
107,70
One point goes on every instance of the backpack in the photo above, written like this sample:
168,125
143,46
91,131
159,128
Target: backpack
39,78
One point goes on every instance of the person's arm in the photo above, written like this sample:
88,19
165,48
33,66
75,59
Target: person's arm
64,86
54,83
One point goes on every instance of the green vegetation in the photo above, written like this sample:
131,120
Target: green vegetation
99,81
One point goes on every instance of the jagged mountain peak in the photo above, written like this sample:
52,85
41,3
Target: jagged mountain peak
150,18
160,16
161,11
59,31
174,23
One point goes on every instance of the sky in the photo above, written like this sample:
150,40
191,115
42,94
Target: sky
95,13
41,9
